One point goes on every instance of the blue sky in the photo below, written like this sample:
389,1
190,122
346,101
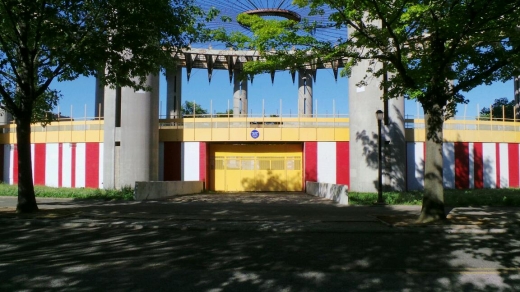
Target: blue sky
263,94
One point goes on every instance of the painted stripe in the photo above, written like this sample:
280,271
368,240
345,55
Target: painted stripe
161,161
471,160
190,157
462,165
73,165
504,165
100,165
52,169
326,156
66,175
342,163
172,161
478,157
60,165
448,162
80,164
39,163
202,162
311,163
415,165
92,165
8,164
497,163
489,160
15,164
514,174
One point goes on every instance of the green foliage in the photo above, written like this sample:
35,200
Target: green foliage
189,106
75,193
453,198
498,108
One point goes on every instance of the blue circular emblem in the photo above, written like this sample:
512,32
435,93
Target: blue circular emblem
255,134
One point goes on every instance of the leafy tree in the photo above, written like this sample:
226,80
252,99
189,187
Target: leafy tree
431,51
46,40
188,106
496,109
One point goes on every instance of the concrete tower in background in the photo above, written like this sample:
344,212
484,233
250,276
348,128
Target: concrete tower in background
131,135
305,93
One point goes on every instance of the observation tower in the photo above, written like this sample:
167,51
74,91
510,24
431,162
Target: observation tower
135,149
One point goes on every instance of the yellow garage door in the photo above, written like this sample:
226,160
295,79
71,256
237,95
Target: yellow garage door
236,168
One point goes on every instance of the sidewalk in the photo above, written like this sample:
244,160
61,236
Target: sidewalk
273,212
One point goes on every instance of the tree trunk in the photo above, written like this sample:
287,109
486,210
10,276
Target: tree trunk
433,197
26,196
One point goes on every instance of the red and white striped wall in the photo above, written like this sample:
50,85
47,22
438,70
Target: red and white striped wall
327,162
186,161
468,165
59,164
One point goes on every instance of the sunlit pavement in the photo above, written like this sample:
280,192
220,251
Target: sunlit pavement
254,242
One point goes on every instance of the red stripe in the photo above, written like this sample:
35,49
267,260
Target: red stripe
202,162
73,165
461,165
478,165
92,165
311,161
39,164
342,163
172,161
497,147
514,174
15,164
60,165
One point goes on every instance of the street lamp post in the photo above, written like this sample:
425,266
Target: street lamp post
379,116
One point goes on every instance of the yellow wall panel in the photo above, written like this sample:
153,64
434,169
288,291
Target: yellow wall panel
256,167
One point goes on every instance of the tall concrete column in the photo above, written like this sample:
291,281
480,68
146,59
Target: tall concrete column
304,93
240,101
5,117
174,93
364,101
99,106
139,154
111,139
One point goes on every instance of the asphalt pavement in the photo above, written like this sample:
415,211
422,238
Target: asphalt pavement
278,212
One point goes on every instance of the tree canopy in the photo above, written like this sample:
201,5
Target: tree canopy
190,107
501,108
119,42
431,51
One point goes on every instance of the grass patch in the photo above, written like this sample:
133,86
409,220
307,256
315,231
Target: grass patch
74,193
452,198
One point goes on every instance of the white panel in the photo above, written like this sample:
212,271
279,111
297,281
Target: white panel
326,157
66,164
32,160
415,165
489,157
504,165
80,165
471,166
8,163
101,149
190,161
51,165
448,161
161,161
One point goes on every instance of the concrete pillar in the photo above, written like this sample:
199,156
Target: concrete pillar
111,139
139,154
174,93
239,95
5,117
99,106
364,101
304,93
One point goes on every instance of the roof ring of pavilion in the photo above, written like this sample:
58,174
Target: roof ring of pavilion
276,12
